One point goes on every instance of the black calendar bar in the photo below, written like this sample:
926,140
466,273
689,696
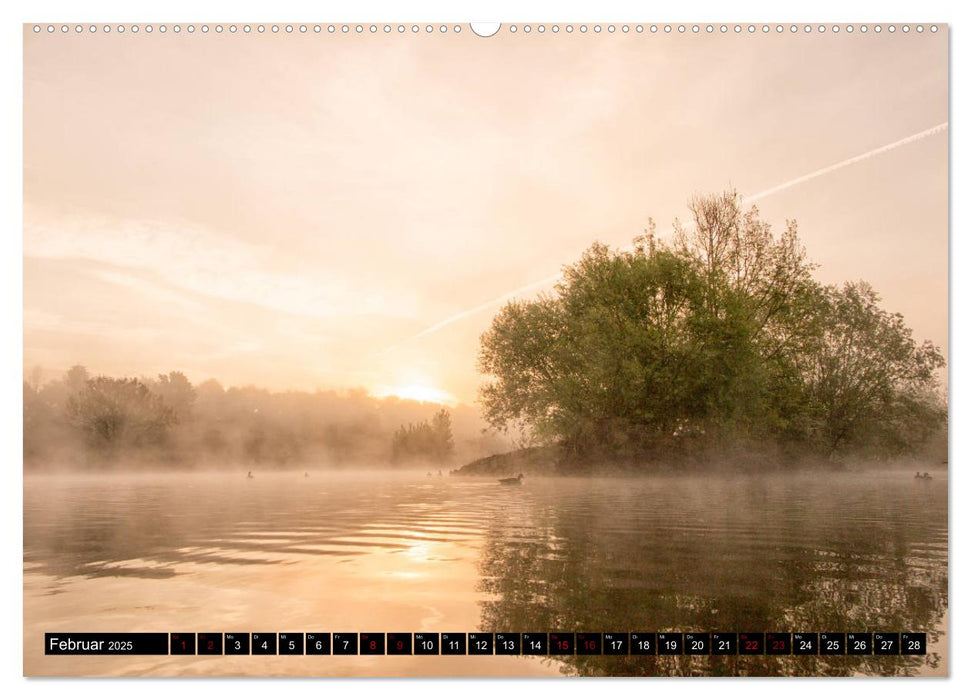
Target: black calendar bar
487,643
105,644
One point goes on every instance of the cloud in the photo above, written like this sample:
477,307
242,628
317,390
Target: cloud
198,260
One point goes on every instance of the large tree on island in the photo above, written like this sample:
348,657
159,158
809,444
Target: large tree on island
718,336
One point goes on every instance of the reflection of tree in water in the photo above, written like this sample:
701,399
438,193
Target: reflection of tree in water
587,570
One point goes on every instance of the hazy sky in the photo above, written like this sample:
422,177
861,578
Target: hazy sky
290,210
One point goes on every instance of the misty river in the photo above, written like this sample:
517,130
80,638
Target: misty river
403,552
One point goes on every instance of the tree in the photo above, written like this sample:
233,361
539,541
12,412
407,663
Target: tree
176,392
612,362
76,378
444,444
424,441
761,308
722,337
117,413
869,381
37,416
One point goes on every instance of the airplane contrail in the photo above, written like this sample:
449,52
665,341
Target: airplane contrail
751,198
481,307
849,161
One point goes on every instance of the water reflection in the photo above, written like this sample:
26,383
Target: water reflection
776,554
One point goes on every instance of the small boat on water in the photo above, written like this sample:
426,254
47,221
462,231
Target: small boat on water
512,480
923,477
249,475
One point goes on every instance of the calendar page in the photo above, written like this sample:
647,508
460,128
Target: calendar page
513,349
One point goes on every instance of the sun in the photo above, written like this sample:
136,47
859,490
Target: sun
419,392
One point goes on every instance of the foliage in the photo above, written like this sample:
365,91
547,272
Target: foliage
176,393
869,382
424,441
114,413
721,336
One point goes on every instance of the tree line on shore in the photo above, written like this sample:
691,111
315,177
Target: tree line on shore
718,338
94,422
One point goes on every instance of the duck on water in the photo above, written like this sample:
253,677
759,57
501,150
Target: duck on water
512,480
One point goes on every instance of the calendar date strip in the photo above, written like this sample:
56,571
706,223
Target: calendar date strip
485,643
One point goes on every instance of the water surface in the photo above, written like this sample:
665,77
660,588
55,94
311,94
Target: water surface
384,552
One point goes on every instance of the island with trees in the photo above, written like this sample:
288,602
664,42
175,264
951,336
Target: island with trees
716,347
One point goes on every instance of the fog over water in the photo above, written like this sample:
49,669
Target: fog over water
399,551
